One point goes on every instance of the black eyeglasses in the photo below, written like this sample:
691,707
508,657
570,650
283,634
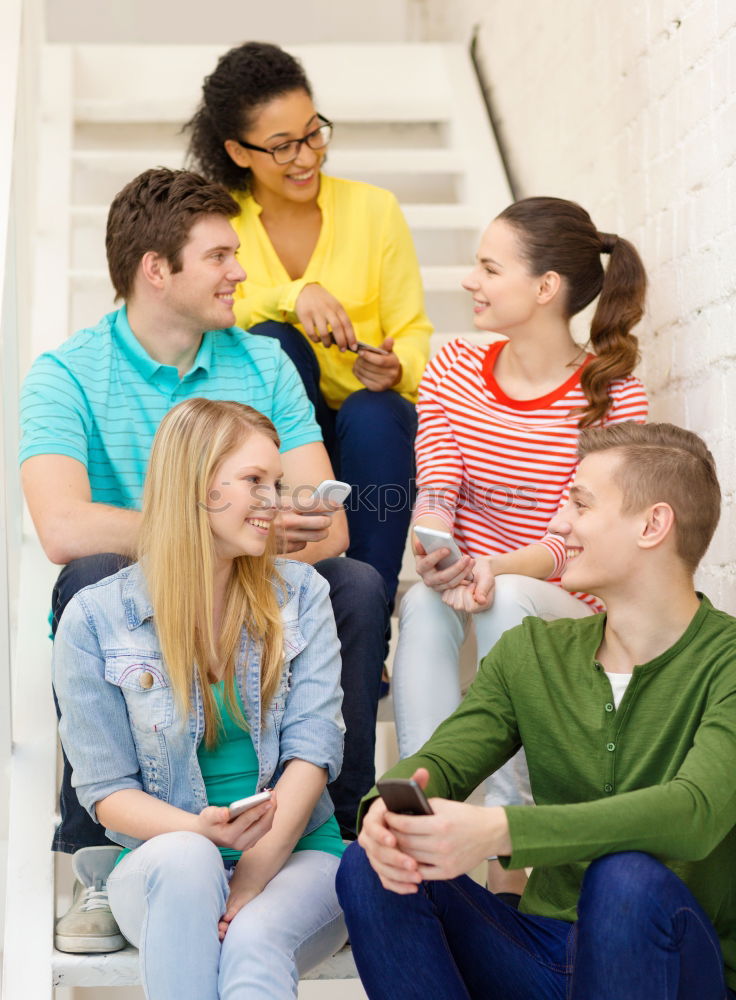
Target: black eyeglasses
286,152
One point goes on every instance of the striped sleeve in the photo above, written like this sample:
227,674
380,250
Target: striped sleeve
628,401
438,456
54,415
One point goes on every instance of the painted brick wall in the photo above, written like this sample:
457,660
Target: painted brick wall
630,109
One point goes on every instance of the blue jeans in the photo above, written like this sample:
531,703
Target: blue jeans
640,935
359,604
370,441
169,894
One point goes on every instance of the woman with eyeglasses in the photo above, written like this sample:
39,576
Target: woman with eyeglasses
331,267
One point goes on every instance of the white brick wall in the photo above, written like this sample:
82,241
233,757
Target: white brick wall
630,109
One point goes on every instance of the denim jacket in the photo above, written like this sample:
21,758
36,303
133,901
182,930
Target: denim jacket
122,728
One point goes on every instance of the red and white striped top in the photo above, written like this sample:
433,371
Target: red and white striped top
496,469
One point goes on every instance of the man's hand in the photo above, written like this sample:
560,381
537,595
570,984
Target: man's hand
378,372
405,850
240,833
476,594
301,520
452,841
398,872
323,318
441,579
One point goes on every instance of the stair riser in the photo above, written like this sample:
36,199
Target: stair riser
448,310
445,248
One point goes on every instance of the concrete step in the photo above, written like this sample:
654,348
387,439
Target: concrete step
358,83
453,216
436,247
126,136
447,304
122,968
441,279
414,175
93,185
342,162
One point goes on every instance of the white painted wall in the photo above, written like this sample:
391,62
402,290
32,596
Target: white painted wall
630,109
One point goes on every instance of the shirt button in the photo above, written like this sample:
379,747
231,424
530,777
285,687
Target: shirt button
607,787
146,680
610,746
609,707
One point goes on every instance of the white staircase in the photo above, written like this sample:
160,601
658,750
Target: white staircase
409,117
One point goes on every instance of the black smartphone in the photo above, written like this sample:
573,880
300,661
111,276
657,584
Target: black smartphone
403,795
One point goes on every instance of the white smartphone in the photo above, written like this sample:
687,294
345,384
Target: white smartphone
331,490
432,539
242,805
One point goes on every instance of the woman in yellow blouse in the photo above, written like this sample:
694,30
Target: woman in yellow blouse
331,265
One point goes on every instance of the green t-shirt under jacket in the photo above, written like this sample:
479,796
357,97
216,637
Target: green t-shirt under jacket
656,775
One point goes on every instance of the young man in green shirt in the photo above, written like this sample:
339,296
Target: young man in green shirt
628,720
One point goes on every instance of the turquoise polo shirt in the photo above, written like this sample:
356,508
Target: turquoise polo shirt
100,397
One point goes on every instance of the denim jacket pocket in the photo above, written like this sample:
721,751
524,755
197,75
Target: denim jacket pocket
145,687
294,641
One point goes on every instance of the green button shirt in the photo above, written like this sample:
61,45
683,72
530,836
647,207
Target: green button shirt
657,775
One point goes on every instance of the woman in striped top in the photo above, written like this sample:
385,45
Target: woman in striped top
496,451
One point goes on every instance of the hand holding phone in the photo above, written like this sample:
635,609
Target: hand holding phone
360,345
330,491
432,539
242,805
403,795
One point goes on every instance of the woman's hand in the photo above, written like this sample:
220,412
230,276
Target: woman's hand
242,890
240,833
441,579
378,372
323,318
473,595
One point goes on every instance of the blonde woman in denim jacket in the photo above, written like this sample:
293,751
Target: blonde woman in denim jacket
201,674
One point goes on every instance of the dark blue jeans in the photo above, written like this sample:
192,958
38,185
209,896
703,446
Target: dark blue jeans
370,441
359,604
640,935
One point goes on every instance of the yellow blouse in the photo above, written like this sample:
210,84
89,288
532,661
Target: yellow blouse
365,257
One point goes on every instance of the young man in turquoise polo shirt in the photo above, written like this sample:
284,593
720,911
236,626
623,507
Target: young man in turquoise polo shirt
90,409
628,720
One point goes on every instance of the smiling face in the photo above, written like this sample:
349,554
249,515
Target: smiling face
289,116
201,293
602,543
505,294
244,497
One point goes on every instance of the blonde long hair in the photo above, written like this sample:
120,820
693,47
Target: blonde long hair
177,556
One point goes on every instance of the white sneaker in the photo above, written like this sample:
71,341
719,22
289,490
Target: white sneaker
88,925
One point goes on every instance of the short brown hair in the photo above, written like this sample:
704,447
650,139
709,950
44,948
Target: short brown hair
156,211
664,463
